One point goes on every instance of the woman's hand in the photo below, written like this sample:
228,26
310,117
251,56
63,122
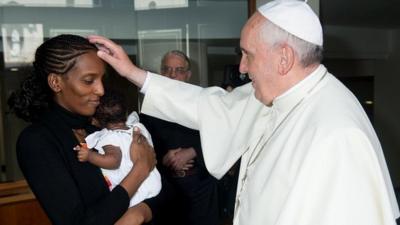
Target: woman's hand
144,161
136,215
141,152
115,55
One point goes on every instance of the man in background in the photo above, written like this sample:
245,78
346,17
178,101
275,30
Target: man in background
180,158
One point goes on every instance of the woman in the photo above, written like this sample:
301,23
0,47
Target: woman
59,98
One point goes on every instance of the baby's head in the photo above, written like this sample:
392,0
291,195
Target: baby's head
111,110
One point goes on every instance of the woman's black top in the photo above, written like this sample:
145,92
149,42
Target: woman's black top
70,192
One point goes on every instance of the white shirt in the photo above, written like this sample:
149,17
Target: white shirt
312,158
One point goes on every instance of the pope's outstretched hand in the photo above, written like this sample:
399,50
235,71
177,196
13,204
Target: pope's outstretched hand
115,55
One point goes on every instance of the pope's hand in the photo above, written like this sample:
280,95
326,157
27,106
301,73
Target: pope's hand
115,55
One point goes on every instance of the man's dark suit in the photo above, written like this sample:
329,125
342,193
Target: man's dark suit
197,200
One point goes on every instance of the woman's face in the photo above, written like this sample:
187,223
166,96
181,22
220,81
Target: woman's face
82,87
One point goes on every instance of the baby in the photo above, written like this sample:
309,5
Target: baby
113,145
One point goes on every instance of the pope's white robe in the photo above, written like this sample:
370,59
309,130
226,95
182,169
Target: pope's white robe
312,158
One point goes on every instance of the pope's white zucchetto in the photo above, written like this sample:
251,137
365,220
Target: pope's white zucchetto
295,17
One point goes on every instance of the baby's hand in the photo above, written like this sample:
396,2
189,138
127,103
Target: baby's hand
83,152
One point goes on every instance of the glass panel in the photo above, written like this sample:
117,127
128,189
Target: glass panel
208,31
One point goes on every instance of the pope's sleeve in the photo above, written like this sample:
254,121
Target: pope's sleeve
214,112
172,100
340,182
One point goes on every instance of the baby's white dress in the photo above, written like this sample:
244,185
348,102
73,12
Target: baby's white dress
123,138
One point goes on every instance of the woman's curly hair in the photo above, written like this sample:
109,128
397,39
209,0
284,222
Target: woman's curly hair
57,55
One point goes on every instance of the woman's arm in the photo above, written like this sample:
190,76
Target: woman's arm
58,189
57,186
136,215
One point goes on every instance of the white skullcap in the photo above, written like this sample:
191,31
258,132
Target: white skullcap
295,17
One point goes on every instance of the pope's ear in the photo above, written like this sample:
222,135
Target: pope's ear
287,57
54,82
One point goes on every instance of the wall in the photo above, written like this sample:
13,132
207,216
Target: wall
120,20
356,51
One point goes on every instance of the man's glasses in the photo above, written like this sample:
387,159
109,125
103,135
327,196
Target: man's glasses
170,70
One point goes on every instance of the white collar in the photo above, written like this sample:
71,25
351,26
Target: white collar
286,101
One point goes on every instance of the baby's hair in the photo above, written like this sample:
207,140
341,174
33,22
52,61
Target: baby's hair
57,55
112,108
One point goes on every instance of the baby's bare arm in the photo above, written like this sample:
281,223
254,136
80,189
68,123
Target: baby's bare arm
110,160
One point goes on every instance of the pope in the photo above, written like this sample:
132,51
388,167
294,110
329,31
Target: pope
310,155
